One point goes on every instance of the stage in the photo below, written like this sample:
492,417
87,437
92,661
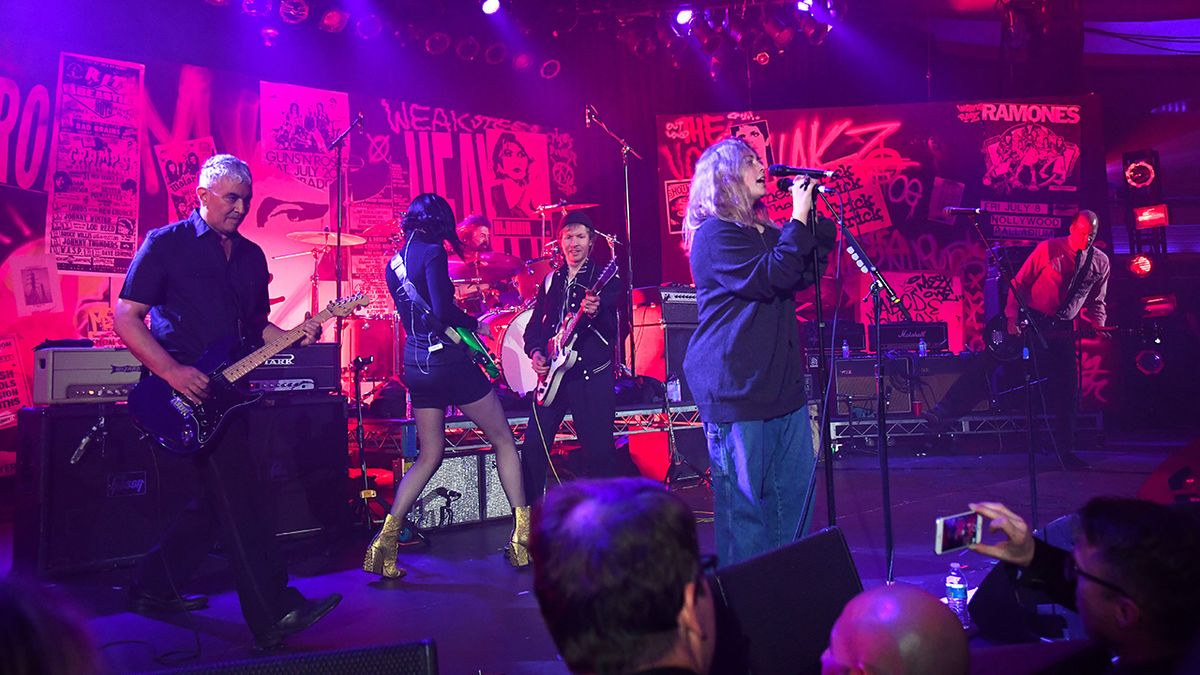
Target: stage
482,615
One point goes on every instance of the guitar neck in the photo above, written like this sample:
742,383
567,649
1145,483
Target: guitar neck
573,322
256,358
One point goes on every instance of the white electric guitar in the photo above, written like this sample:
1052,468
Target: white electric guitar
562,354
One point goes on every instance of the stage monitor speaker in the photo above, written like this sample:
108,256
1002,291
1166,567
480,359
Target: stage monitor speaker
115,503
410,658
660,349
774,612
854,386
651,453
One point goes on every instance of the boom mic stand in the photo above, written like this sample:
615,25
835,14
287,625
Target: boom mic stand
590,116
1031,337
338,143
879,288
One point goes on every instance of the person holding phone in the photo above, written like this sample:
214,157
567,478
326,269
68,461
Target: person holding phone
744,363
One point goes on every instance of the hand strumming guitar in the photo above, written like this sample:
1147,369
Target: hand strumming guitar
188,381
541,365
591,303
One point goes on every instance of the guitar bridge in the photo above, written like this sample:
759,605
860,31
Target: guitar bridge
181,405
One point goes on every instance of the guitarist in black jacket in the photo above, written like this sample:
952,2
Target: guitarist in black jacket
200,281
587,388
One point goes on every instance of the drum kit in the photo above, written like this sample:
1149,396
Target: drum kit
496,287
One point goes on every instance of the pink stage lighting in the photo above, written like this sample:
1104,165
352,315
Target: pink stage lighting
490,6
334,21
804,5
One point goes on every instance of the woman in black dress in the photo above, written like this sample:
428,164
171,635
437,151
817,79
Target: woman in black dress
439,373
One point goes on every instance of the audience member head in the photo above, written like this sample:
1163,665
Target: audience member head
40,634
431,215
618,577
895,630
1137,566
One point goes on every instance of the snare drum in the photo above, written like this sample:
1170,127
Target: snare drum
507,343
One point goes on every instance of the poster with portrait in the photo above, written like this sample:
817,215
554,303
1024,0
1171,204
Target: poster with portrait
92,215
35,283
756,133
676,194
299,125
180,167
517,179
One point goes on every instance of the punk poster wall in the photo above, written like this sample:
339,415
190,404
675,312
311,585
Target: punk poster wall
92,219
895,169
180,167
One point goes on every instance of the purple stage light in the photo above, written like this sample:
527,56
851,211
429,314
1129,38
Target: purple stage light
490,6
683,17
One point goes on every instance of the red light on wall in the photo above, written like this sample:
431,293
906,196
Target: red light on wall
1141,266
1139,174
1146,217
334,21
1158,306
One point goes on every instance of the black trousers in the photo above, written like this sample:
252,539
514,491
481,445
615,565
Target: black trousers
227,507
590,399
1055,392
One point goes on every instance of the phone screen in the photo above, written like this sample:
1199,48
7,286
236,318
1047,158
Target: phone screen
957,531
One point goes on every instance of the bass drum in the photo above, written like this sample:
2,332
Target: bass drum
507,344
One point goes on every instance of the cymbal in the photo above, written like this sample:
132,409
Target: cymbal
381,229
563,206
326,238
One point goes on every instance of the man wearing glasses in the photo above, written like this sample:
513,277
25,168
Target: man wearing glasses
1134,577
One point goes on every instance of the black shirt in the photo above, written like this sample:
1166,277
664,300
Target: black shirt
559,299
427,266
196,296
744,361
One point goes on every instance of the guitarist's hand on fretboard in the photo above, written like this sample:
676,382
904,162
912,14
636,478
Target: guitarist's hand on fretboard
312,332
591,303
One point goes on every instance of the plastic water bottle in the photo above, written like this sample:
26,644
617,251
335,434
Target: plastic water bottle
922,348
845,349
956,594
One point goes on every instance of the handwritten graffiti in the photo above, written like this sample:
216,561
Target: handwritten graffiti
1097,375
907,191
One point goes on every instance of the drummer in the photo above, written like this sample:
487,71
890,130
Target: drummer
475,233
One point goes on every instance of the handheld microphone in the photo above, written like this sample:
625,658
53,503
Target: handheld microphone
964,211
778,170
785,184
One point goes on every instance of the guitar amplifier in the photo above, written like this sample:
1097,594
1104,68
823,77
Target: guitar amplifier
316,367
83,375
854,386
852,332
907,336
678,302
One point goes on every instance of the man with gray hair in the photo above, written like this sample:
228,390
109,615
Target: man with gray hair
201,282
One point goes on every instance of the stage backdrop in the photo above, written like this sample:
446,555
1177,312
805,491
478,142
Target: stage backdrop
96,152
897,166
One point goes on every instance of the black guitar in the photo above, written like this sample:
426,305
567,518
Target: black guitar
185,427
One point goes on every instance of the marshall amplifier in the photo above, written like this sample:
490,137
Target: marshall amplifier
907,336
316,367
83,375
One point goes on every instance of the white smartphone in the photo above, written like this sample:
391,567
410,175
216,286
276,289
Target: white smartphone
954,533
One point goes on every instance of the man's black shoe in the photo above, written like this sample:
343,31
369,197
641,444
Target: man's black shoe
145,602
308,613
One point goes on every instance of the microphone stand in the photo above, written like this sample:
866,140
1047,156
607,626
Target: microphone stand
822,388
591,115
879,288
1031,337
338,143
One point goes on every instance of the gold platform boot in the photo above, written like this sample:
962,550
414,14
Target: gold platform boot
517,551
381,556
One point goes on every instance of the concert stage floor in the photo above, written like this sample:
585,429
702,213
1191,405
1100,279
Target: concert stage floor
483,616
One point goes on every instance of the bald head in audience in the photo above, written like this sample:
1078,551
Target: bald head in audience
896,630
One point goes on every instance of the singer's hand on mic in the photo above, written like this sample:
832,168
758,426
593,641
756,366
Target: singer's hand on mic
802,199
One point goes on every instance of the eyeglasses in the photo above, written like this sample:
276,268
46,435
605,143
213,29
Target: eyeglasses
1072,572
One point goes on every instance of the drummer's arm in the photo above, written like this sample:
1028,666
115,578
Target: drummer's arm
441,294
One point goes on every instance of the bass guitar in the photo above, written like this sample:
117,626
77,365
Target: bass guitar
185,427
475,349
562,354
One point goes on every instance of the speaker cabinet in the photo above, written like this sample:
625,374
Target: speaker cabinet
934,375
115,503
660,349
411,658
854,386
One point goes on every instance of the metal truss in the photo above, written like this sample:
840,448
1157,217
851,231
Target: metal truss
857,430
399,436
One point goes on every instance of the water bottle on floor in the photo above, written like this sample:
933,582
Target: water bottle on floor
956,594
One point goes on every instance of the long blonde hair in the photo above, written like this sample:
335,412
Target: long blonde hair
718,190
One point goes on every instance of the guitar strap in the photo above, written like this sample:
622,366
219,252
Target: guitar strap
1080,273
400,269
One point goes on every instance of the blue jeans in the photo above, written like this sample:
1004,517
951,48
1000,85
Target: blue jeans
761,472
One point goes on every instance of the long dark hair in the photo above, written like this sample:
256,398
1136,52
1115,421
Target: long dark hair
431,215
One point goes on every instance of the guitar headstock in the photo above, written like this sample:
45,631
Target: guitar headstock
344,306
